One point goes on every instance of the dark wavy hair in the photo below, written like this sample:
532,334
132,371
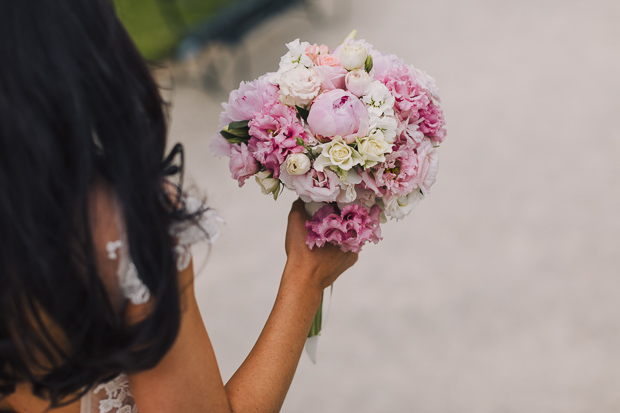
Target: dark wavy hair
78,103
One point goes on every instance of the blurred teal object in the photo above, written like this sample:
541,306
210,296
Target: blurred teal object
157,26
231,23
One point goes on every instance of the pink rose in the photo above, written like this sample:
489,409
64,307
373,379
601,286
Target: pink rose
332,77
327,60
242,164
338,113
315,50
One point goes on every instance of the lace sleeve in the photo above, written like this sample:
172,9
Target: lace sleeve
207,228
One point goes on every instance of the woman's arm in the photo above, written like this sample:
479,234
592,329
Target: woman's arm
188,378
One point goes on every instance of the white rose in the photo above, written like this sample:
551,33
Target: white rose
299,86
297,164
295,57
373,148
378,99
399,206
358,81
337,153
353,56
268,184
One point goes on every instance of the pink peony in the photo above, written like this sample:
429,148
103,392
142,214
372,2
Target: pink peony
338,113
313,186
332,77
349,229
382,62
274,132
428,165
410,96
242,164
432,123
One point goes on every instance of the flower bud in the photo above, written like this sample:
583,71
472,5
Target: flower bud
297,164
268,184
353,56
358,81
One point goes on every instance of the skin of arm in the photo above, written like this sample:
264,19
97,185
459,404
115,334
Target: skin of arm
188,378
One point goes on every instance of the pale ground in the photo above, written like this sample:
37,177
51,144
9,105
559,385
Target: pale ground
500,292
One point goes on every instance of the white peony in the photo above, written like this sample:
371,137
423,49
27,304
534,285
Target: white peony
295,57
378,99
299,86
353,56
268,184
358,81
297,164
373,148
337,153
399,206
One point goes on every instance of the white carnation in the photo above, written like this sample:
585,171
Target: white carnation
295,57
387,123
378,99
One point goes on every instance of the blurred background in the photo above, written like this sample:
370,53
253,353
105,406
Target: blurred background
500,292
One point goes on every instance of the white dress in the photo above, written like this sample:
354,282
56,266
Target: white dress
115,396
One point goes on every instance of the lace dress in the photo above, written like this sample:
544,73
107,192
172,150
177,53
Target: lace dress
115,396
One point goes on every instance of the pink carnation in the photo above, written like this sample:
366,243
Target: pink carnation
242,165
245,102
398,175
274,132
314,185
410,96
349,229
432,123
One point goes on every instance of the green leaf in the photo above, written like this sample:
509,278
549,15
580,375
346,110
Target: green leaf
369,64
303,113
232,138
241,124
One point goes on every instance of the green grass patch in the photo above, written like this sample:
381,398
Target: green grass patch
157,26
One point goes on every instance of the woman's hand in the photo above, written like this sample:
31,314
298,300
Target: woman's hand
323,265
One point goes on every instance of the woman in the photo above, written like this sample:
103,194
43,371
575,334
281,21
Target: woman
97,306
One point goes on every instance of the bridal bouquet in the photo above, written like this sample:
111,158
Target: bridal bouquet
353,131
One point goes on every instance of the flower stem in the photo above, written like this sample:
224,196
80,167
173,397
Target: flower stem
315,328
